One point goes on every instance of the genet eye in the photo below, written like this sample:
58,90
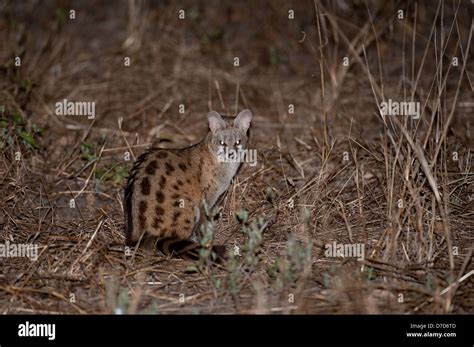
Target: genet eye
222,143
237,142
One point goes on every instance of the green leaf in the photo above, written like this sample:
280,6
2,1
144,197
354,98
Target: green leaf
269,194
371,273
28,138
86,150
17,118
27,85
243,216
191,269
120,174
35,129
216,34
61,15
194,15
274,56
217,283
100,174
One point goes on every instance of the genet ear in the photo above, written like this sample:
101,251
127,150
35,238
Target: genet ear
242,121
215,121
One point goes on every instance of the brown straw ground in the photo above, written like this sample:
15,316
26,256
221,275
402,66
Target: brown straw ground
334,170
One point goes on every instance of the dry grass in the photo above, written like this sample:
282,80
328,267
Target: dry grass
336,170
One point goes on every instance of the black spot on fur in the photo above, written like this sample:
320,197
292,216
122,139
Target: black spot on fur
145,186
162,154
142,207
176,215
169,168
151,167
128,205
199,171
160,197
157,222
183,166
159,210
162,182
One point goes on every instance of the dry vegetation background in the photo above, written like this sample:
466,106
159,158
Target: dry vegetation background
400,191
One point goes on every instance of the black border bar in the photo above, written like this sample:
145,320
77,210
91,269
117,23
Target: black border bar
239,329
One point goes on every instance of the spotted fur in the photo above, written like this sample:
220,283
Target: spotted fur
167,188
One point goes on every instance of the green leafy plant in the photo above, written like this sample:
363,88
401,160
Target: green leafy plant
116,174
88,151
370,273
17,129
237,266
287,272
254,232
